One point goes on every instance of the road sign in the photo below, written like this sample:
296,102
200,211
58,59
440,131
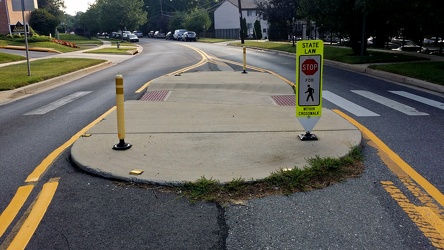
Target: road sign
309,63
309,67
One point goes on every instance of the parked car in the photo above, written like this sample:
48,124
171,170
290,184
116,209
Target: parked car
138,33
133,38
407,45
177,35
151,34
159,34
189,36
169,35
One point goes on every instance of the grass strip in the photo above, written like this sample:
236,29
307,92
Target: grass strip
5,58
428,71
121,51
339,54
321,173
213,40
16,76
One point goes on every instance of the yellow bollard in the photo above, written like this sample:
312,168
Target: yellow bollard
245,60
120,98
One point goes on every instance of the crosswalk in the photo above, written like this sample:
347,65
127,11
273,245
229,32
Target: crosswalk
358,110
347,105
59,103
288,100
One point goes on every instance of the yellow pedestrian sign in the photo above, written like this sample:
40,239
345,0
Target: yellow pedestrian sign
308,90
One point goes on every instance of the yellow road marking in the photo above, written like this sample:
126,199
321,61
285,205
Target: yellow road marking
433,219
143,87
35,216
426,185
205,59
421,216
14,206
43,166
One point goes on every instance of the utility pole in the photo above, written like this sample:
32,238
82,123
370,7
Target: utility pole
240,21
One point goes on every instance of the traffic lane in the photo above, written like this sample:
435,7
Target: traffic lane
283,64
28,139
354,214
416,139
96,213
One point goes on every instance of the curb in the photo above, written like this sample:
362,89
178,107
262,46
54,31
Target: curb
388,76
31,49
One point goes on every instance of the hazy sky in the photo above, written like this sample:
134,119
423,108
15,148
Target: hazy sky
73,6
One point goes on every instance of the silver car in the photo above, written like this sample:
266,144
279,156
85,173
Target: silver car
189,36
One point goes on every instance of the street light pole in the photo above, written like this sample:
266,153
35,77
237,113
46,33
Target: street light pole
240,19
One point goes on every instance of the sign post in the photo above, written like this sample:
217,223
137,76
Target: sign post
25,5
308,90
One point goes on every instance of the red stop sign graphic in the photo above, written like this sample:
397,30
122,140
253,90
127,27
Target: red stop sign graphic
309,67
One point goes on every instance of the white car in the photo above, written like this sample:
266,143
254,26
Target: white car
178,34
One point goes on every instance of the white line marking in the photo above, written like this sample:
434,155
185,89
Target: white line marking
57,104
389,103
421,99
347,105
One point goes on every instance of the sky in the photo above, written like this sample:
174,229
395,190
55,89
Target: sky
73,6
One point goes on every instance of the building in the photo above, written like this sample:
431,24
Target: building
12,21
227,23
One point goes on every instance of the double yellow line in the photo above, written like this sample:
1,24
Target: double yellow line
428,215
18,239
205,59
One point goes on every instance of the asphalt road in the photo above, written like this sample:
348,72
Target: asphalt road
88,212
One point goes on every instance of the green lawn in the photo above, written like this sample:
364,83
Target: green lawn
5,58
121,51
213,40
427,71
16,76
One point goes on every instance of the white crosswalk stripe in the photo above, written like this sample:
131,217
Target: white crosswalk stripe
57,104
420,99
389,103
347,105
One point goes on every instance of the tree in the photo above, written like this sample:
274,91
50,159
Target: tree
244,28
43,22
121,14
177,21
257,34
54,7
90,20
113,15
198,19
280,15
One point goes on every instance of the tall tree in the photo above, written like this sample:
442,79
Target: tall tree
54,7
257,34
43,22
197,20
280,15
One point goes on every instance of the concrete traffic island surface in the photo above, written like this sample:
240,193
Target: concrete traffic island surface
197,131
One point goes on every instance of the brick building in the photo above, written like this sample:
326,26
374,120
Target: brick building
11,21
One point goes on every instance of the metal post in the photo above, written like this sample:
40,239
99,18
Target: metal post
26,38
245,59
120,115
